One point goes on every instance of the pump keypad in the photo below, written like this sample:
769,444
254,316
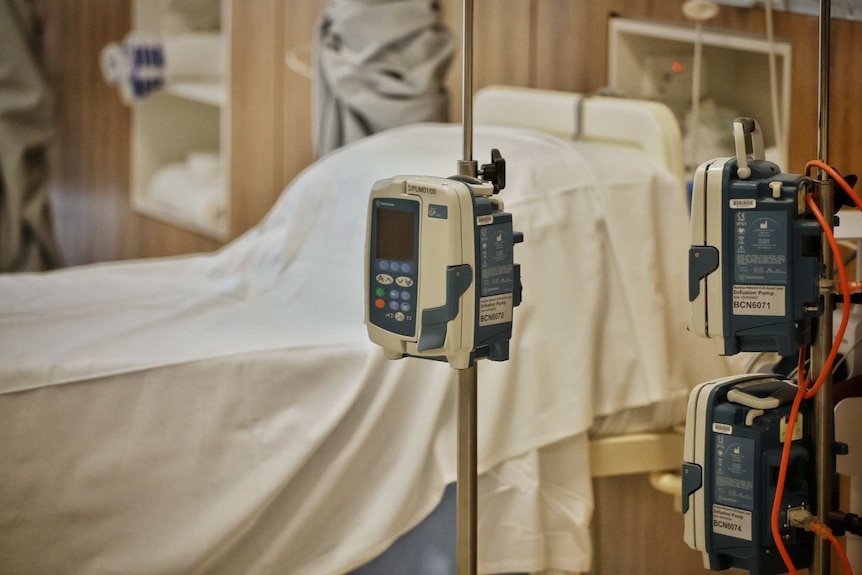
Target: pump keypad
395,291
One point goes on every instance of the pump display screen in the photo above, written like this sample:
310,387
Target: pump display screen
395,235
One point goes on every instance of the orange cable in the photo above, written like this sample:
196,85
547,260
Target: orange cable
845,314
835,176
846,287
848,570
782,475
803,383
824,532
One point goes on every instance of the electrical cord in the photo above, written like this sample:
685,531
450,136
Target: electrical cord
782,469
845,293
835,176
803,391
848,569
803,519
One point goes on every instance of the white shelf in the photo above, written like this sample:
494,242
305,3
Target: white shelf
213,93
735,70
187,116
146,207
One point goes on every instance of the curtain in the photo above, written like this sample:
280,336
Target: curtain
378,64
26,234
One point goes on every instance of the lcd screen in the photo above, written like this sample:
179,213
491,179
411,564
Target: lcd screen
396,235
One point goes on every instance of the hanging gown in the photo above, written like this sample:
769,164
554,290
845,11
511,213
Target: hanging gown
378,64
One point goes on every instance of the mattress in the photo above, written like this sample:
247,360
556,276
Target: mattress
225,413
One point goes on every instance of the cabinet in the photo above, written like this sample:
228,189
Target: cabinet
653,61
180,140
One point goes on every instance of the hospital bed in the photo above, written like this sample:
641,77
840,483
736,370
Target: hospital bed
225,413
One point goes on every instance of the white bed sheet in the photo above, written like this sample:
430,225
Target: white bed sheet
226,414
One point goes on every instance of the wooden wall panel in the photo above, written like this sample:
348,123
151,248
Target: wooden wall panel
845,135
91,154
561,30
637,532
501,53
558,44
300,17
90,159
572,54
257,109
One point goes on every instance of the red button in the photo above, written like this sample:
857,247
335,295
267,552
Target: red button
379,303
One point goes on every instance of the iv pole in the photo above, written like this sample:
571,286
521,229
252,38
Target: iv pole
823,410
467,378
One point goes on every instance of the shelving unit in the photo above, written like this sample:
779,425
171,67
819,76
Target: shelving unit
211,93
735,75
184,118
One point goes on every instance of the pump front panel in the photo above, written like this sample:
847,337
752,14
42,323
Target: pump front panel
394,265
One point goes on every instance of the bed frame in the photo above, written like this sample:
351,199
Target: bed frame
650,130
647,128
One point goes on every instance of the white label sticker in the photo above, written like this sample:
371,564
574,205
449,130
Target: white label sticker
495,309
743,204
758,300
722,428
484,220
731,521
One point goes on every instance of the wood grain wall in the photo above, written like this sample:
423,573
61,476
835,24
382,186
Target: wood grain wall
562,44
557,44
91,170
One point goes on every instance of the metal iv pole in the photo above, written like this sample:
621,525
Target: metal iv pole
467,378
823,410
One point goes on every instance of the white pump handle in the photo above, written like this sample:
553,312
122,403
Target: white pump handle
741,128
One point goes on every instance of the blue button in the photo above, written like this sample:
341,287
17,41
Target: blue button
406,268
405,295
394,293
393,305
394,266
405,307
383,265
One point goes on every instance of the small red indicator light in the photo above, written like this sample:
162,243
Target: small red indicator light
678,67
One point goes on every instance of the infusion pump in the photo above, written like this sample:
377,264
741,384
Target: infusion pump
734,432
440,281
754,262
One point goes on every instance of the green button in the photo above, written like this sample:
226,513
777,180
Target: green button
380,292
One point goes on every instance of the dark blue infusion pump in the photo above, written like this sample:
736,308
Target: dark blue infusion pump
735,429
755,257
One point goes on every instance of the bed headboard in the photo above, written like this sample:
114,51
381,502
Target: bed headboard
648,128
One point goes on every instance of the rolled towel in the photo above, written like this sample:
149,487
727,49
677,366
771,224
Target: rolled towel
193,190
143,63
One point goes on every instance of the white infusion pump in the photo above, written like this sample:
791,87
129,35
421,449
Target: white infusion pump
440,280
